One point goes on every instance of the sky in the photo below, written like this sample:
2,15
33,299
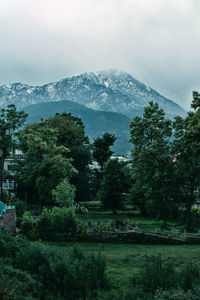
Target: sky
156,41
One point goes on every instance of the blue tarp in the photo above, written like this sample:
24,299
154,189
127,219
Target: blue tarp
3,208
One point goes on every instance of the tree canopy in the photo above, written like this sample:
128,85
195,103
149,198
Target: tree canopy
152,171
11,121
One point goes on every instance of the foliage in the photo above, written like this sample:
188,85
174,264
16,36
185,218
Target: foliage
157,275
54,142
29,226
57,219
63,194
186,150
50,222
36,272
114,185
16,284
101,148
152,172
11,121
20,206
45,164
71,134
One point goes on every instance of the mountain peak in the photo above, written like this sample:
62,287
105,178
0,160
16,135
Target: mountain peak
108,90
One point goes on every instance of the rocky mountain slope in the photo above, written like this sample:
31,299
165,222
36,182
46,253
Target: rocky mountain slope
111,90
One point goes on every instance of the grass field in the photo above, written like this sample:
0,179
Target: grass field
125,259
97,214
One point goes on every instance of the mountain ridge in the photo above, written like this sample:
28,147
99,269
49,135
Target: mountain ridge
110,90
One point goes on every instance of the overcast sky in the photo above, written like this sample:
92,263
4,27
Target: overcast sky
156,41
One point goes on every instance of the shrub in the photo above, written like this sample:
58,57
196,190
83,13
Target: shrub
64,194
57,220
157,275
48,274
29,226
16,284
20,207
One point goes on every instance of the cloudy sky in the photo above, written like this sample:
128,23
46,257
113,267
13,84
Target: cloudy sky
157,41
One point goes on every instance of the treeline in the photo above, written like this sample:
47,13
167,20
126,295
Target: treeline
166,163
58,164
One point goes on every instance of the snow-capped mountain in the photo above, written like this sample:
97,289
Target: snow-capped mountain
111,90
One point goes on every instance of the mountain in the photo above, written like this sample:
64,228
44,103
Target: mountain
111,90
95,122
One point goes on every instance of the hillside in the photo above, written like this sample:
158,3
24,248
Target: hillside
96,122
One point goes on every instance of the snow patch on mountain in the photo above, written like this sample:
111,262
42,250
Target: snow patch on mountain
110,90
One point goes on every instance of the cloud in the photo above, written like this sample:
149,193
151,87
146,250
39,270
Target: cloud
155,40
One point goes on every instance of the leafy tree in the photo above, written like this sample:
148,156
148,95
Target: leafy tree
186,150
114,185
11,121
152,172
45,164
64,194
70,134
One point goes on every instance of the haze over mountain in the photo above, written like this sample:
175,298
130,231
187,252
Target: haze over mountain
96,122
110,90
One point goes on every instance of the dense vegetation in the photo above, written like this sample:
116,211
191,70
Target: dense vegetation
33,271
57,176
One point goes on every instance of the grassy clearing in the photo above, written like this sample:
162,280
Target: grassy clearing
125,259
147,224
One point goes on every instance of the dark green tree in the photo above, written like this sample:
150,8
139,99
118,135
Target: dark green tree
11,121
69,131
186,150
101,148
114,185
71,134
45,164
101,153
152,172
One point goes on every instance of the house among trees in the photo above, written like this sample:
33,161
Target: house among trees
9,178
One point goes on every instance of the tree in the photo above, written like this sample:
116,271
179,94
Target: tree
64,194
114,185
186,150
11,121
152,170
45,164
101,148
71,134
101,153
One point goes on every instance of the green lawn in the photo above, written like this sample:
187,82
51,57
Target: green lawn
97,214
125,259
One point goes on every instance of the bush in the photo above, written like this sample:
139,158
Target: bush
195,215
20,207
52,221
29,226
16,284
48,274
58,220
157,275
